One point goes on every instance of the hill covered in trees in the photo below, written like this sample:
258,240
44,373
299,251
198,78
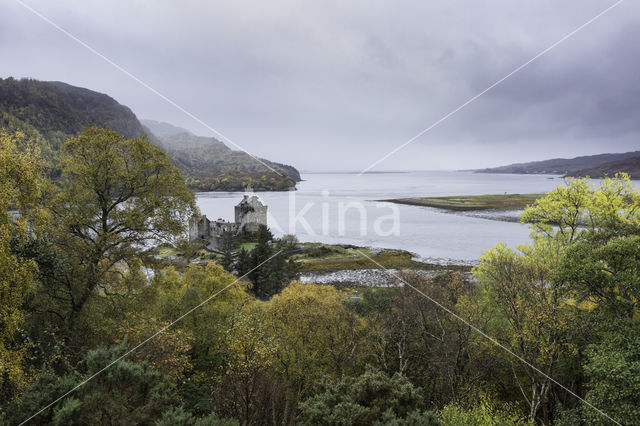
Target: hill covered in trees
631,166
209,162
567,166
51,112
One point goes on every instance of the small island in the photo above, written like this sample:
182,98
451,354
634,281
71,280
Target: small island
463,203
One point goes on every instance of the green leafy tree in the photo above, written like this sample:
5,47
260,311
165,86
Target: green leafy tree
313,334
278,349
560,213
569,211
208,324
605,274
483,412
531,316
248,390
582,265
20,189
613,367
261,277
194,348
118,195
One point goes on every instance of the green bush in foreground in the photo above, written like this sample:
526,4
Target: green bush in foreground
130,392
483,414
372,398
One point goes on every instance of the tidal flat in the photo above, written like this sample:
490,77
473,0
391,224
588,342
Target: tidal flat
467,203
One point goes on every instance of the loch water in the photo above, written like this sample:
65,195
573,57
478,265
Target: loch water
342,208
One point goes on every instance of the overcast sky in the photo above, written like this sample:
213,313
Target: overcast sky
335,85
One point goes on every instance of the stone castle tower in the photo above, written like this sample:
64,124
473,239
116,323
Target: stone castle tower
250,213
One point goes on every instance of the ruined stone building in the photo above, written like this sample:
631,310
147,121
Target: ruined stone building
250,213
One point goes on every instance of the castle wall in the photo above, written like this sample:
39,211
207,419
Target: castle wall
198,228
250,213
217,230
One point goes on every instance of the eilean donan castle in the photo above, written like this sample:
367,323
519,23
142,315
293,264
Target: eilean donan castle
250,213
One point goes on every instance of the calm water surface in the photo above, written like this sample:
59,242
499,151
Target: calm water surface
429,233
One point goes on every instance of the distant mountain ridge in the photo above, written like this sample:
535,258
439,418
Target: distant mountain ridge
631,166
563,166
51,112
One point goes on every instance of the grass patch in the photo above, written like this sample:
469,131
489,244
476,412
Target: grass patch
473,202
166,252
247,246
317,257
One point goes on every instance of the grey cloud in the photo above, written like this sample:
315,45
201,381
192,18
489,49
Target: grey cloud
336,85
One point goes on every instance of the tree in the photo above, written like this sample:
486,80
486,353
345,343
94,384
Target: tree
279,348
248,390
412,336
180,417
613,367
583,262
371,398
531,316
194,347
228,248
605,274
209,323
269,264
567,212
560,213
243,262
20,189
314,334
483,412
118,196
602,269
127,392
263,285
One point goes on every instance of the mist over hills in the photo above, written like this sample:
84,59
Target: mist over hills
51,112
201,157
160,128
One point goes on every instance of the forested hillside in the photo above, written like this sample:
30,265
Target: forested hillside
563,166
59,107
630,166
50,112
205,160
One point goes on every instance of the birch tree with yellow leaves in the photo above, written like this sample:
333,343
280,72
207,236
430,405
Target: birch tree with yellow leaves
20,189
